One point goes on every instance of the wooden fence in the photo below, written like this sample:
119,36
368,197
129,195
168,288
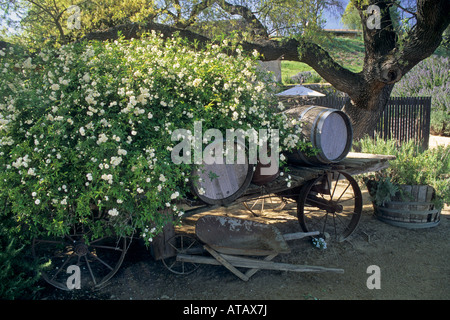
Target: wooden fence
403,119
406,119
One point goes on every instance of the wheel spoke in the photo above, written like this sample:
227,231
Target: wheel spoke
342,222
97,240
190,246
107,247
62,267
316,203
263,203
254,203
335,185
343,192
181,244
90,270
100,260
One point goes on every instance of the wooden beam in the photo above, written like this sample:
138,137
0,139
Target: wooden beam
255,263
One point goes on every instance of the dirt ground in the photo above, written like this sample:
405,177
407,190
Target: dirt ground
413,264
438,140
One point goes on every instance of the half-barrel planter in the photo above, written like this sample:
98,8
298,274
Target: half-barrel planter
413,210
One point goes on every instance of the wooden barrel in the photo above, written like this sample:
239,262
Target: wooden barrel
222,183
262,179
265,173
415,211
329,131
160,247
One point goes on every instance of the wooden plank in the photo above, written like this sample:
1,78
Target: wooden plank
241,262
358,163
368,156
225,263
430,194
372,167
197,259
251,272
270,265
299,235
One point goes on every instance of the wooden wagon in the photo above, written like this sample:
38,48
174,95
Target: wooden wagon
329,204
328,200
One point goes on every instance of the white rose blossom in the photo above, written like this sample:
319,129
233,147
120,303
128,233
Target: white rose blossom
196,82
113,212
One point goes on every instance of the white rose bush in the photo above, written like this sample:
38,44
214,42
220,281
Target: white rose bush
87,128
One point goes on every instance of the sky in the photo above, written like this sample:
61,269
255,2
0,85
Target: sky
333,22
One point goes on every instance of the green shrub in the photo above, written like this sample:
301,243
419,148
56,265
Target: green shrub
19,275
87,128
411,166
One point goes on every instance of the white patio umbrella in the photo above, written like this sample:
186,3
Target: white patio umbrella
300,91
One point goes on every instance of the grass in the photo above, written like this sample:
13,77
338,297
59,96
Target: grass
291,68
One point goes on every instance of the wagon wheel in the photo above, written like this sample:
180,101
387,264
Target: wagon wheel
330,204
258,205
98,260
182,244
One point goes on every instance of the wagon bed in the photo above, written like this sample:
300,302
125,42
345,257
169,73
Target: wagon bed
354,164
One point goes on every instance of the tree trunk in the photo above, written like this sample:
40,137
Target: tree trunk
365,110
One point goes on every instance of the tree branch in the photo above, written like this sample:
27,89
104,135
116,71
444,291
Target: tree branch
54,16
246,14
397,4
311,54
321,61
433,17
196,10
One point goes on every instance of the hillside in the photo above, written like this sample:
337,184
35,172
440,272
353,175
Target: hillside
349,52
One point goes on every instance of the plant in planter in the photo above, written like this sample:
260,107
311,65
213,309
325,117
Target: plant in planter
415,187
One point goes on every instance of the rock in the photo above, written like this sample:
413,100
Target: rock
301,76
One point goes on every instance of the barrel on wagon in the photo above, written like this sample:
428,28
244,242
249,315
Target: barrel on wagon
328,130
222,183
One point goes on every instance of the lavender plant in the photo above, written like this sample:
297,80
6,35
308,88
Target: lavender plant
430,77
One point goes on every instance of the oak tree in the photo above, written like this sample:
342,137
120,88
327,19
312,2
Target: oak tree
390,50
